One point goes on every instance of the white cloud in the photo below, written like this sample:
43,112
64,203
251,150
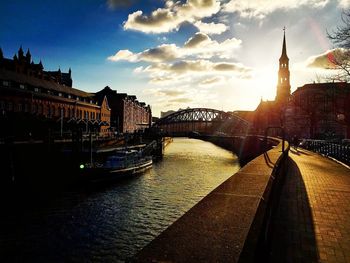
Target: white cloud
326,59
171,16
123,55
200,45
261,8
344,3
197,40
197,66
211,28
165,52
212,81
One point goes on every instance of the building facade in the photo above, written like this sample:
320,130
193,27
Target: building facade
319,111
128,115
33,101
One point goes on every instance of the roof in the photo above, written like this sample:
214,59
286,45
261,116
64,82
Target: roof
265,104
323,86
37,82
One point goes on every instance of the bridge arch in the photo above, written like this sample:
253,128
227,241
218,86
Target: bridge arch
202,120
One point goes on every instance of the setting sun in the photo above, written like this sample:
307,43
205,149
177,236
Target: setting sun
266,81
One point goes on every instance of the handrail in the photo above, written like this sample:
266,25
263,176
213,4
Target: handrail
337,151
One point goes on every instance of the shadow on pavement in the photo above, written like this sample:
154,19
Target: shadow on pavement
293,234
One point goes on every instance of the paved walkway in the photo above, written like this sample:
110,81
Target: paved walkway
312,223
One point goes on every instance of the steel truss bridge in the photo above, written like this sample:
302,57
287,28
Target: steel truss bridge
202,120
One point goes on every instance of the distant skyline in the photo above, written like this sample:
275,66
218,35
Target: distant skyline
175,54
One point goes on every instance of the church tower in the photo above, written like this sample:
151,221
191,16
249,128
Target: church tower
283,84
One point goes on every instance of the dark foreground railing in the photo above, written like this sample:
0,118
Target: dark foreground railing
339,152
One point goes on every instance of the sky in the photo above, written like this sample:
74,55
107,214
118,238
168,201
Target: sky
176,54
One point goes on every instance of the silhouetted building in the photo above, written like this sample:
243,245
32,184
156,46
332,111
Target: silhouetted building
270,113
34,101
319,111
283,86
127,113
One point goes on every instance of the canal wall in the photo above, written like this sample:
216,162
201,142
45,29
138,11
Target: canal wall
232,223
245,147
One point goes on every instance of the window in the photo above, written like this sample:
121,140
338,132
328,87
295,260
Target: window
40,109
21,86
69,96
5,83
20,107
34,108
2,105
10,106
60,94
36,89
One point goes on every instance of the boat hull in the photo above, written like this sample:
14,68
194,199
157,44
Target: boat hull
106,174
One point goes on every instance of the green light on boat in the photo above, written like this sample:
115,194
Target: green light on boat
82,166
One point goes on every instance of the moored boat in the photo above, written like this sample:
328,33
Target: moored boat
117,164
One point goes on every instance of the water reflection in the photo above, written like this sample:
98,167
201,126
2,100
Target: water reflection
112,223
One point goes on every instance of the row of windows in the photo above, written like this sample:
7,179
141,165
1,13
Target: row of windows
51,111
6,83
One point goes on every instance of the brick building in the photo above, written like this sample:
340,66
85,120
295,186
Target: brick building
127,113
33,101
319,110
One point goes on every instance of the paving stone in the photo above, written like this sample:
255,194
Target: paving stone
315,207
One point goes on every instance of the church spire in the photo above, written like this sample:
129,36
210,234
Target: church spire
284,48
283,83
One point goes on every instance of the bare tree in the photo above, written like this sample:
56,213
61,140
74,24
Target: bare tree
340,57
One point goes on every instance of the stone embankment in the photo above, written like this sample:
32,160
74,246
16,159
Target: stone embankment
232,223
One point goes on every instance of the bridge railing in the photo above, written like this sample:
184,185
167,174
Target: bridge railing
337,151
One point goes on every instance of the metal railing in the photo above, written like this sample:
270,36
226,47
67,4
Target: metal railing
337,151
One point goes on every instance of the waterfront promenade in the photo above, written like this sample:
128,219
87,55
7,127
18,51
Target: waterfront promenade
312,223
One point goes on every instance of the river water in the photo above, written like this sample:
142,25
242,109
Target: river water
111,223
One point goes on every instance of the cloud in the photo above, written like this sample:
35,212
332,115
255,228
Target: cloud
165,52
211,81
259,9
165,92
196,40
181,100
211,28
326,59
199,66
123,55
172,93
200,45
161,53
344,3
171,16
